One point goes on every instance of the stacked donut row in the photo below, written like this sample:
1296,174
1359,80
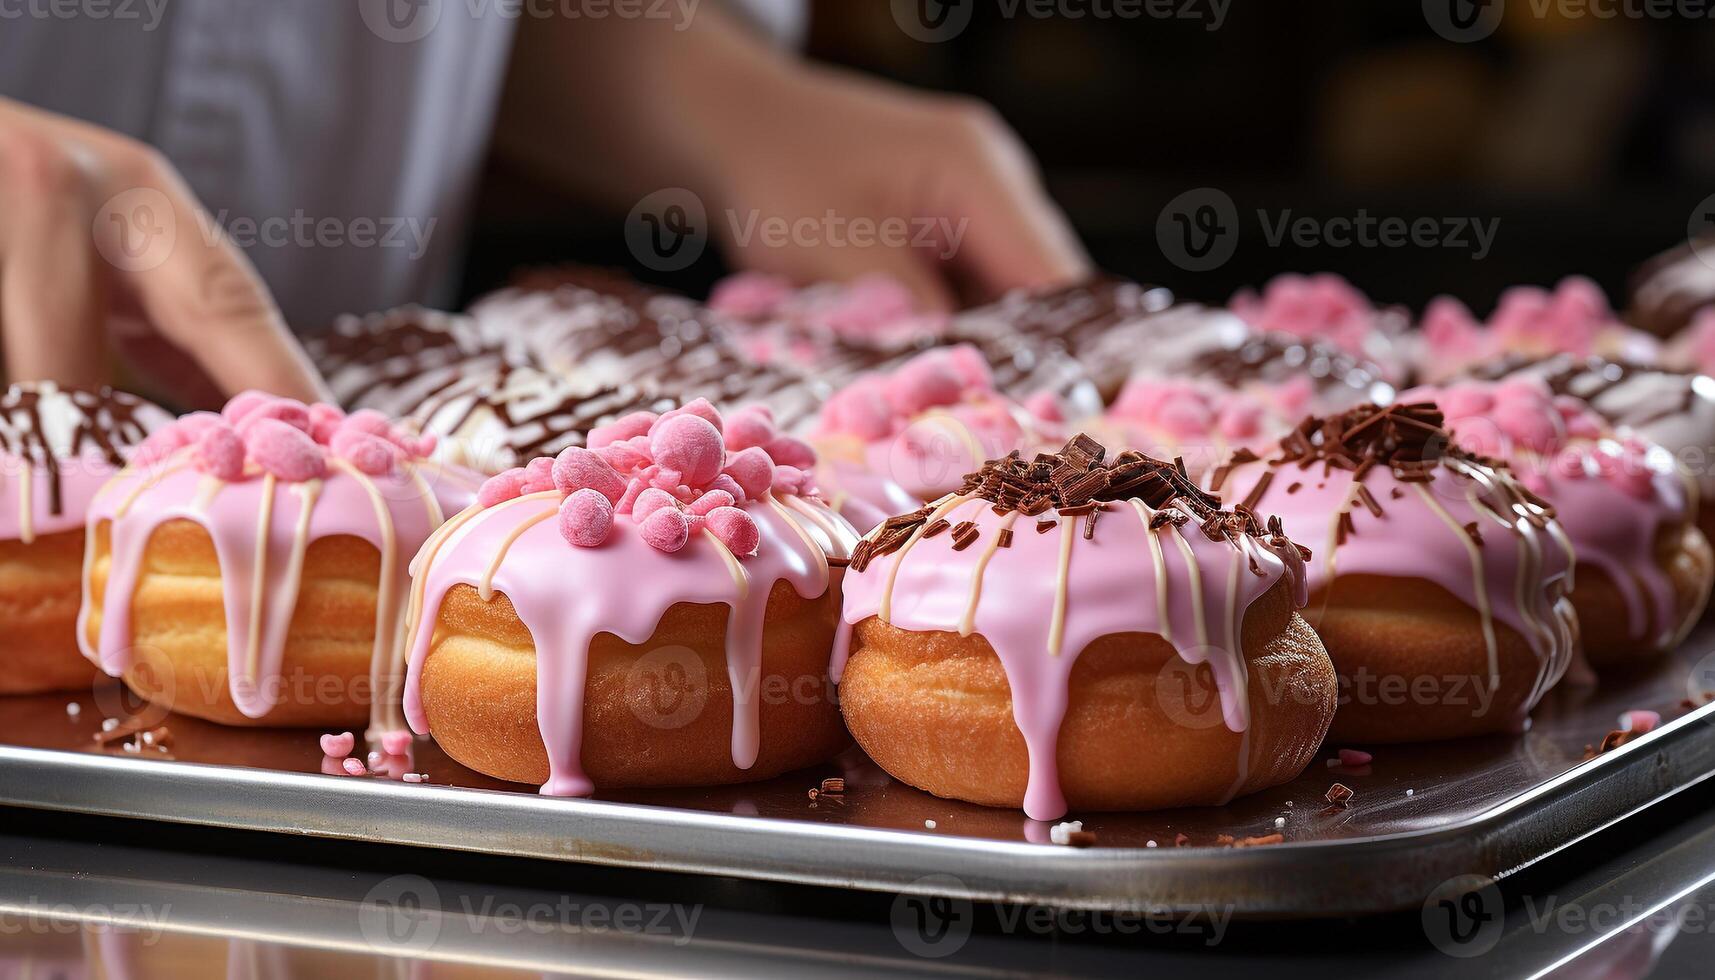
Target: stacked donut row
1061,560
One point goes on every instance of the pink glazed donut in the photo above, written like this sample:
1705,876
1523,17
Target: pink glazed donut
1439,582
654,610
250,567
1084,633
1644,567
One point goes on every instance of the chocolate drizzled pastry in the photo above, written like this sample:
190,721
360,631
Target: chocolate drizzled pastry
1669,290
395,361
1274,358
1080,481
100,420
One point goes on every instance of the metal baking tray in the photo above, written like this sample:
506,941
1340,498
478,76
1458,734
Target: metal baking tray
1421,814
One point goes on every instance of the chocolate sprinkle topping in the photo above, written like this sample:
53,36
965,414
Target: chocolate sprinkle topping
1078,481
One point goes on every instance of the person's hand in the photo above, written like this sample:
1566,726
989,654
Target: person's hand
833,176
803,171
97,228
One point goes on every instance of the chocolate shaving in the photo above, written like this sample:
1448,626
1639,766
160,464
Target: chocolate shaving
964,535
1475,532
937,526
1005,538
834,784
834,561
1339,795
1043,527
1081,838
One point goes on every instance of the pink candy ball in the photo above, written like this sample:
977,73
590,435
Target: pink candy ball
787,451
924,383
220,453
539,476
586,518
293,413
735,529
370,454
626,427
243,403
700,407
748,427
650,501
666,530
711,500
690,445
501,487
284,450
577,468
753,471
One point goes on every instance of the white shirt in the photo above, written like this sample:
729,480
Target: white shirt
338,142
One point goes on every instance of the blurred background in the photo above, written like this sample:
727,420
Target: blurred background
1583,129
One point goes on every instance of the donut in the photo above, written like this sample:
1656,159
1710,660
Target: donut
251,567
1197,423
1328,309
1074,632
1693,349
912,434
1672,409
1644,569
394,361
1669,290
1528,323
654,610
1440,582
593,330
59,445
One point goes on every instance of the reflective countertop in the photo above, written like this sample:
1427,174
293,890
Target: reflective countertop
91,897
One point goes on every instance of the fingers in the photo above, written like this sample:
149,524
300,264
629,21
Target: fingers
197,288
51,292
1015,236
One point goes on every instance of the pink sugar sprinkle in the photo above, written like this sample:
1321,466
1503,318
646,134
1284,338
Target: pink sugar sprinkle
354,767
624,428
711,500
293,413
283,449
666,530
735,529
335,746
369,453
787,451
689,444
586,518
577,468
1355,757
501,487
753,470
650,501
539,476
242,403
396,742
1640,720
748,427
220,453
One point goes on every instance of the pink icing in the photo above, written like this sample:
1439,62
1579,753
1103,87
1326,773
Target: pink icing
1517,576
1611,492
818,325
1199,421
921,427
394,510
1321,307
716,529
1528,321
1174,582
